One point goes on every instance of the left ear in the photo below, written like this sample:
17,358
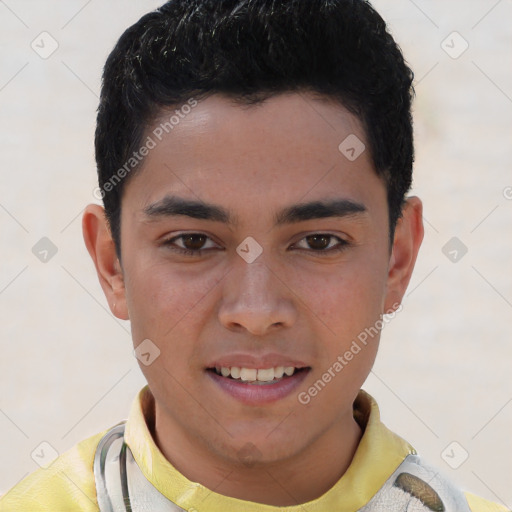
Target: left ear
406,244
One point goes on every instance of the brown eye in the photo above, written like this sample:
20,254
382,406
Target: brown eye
193,242
318,242
322,244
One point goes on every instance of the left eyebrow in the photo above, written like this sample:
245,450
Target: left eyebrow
319,210
171,206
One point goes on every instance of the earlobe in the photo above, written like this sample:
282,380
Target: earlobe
406,244
101,247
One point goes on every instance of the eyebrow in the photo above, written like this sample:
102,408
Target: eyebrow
171,206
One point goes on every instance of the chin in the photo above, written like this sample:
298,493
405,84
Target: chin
259,450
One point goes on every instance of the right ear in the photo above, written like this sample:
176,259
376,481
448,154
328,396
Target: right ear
101,247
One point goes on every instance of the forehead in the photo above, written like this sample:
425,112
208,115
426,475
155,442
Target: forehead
288,148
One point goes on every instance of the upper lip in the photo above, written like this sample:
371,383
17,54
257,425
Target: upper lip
258,362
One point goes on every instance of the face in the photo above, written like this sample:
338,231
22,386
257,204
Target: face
250,242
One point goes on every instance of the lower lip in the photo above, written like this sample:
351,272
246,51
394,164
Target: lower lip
259,394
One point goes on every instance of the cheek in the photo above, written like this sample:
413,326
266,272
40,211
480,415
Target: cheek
346,307
163,301
344,299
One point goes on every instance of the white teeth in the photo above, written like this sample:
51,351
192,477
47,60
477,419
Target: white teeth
266,375
253,374
248,373
278,372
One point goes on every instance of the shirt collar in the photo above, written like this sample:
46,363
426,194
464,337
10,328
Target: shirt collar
379,453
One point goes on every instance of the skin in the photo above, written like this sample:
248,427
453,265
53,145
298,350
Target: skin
292,300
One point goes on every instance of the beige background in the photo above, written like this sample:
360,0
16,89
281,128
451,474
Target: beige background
443,372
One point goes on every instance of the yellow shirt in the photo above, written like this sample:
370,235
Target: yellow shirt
67,485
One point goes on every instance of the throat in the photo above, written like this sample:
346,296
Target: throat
262,470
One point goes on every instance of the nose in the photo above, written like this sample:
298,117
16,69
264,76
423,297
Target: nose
256,299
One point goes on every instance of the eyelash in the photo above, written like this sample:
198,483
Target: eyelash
343,244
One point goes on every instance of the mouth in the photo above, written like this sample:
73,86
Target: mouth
258,386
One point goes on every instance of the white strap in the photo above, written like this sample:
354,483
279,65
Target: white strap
416,486
120,484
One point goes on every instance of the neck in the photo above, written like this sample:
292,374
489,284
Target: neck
297,479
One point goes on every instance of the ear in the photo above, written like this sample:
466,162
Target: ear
101,247
406,244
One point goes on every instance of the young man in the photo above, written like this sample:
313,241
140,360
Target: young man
253,158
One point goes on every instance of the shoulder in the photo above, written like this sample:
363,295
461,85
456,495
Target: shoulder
477,504
67,484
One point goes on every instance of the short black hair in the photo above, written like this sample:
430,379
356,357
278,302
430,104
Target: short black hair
251,50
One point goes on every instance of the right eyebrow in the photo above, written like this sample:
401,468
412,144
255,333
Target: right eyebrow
171,206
